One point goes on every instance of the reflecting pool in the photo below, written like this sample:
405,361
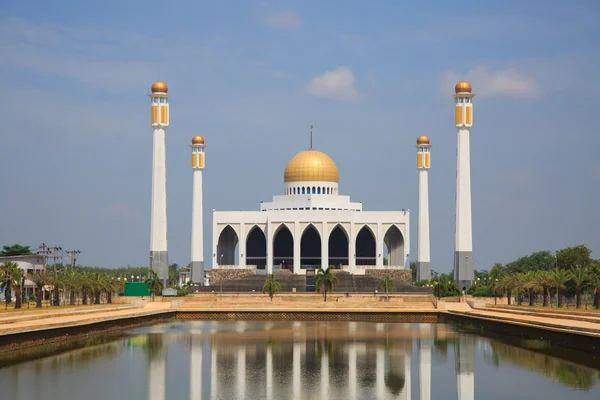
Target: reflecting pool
293,360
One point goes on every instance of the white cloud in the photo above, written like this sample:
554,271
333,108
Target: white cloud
507,82
288,19
336,84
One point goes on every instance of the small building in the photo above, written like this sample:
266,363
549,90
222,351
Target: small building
29,264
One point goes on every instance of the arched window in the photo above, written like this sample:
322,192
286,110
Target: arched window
319,190
313,190
294,190
303,190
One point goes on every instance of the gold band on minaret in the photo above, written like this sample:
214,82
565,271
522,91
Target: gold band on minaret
423,152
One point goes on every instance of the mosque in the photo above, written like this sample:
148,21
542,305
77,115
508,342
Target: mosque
311,225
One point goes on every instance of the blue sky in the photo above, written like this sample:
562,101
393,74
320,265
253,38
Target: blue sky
251,76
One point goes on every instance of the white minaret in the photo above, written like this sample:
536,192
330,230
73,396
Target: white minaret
159,117
197,264
463,236
423,164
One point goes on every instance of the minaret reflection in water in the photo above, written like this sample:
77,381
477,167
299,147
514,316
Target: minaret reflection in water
311,360
157,360
464,356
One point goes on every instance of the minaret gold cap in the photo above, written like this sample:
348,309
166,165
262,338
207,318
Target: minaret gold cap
160,87
422,140
462,87
197,140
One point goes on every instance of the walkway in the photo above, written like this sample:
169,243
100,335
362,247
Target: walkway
35,321
557,322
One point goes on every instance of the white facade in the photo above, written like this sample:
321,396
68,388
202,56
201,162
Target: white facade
311,230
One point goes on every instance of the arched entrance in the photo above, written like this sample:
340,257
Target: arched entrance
394,242
283,248
256,248
338,247
310,249
227,247
366,248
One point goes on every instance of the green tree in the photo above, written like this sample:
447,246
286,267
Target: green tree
7,270
16,277
271,286
579,277
541,261
155,284
544,280
387,285
15,250
594,279
574,257
413,270
325,280
39,278
559,278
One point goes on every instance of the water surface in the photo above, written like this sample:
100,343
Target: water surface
294,360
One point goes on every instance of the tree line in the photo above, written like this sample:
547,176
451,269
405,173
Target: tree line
568,273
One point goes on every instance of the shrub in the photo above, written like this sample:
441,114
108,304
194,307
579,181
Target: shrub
182,292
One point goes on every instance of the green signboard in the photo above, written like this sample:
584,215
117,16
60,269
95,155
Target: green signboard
136,289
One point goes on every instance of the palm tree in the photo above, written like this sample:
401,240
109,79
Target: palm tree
506,283
109,287
39,278
594,278
57,283
559,278
16,277
580,281
71,282
6,271
544,280
155,284
271,286
387,285
325,280
532,286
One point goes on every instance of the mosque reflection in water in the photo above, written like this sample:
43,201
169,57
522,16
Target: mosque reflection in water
304,361
288,360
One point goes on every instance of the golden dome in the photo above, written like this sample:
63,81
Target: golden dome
160,87
311,165
462,87
197,140
422,140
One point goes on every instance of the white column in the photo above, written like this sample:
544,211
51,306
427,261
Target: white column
423,239
158,219
296,372
352,389
269,370
352,251
464,236
380,374
324,375
297,239
269,236
324,246
196,370
425,369
241,373
197,229
379,245
242,249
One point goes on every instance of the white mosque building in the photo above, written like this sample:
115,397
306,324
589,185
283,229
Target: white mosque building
311,225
